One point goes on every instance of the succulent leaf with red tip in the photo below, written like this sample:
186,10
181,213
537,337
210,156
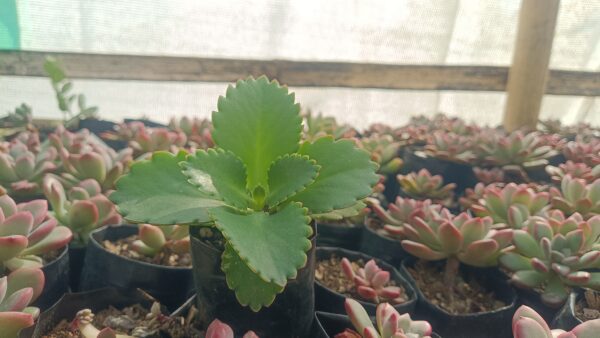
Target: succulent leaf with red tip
27,232
576,170
390,324
577,196
218,329
153,239
555,253
450,146
198,131
370,282
423,185
83,209
527,323
17,290
583,151
526,150
144,140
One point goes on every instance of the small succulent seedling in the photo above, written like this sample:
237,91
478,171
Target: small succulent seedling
145,140
370,282
153,239
21,118
527,323
384,151
317,126
555,253
577,196
23,165
583,151
423,185
462,238
527,151
218,329
198,131
17,290
83,209
390,324
83,322
450,146
259,187
489,176
511,205
26,232
575,170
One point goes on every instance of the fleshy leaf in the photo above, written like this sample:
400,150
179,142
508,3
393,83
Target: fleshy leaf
221,172
258,121
156,192
288,175
272,245
250,289
346,175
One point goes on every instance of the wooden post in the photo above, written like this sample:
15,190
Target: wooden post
529,71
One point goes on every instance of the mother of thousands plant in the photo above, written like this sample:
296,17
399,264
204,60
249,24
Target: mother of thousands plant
259,187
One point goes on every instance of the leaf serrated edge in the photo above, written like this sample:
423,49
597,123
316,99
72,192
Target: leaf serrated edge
312,179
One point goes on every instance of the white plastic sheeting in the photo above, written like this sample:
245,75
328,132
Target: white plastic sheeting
467,32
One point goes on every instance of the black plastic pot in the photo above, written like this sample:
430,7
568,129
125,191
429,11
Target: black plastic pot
392,187
170,285
95,300
56,274
147,123
382,247
76,260
290,315
327,300
345,236
566,318
497,323
327,325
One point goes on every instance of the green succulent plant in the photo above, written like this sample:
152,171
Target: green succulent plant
17,291
527,323
259,187
423,185
523,150
153,239
577,196
450,146
384,151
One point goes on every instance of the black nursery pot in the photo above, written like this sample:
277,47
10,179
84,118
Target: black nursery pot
382,247
290,315
76,259
566,318
345,236
171,286
95,300
327,325
497,323
56,275
327,300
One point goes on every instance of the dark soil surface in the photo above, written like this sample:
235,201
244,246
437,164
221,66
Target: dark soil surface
166,257
130,319
461,298
329,273
588,308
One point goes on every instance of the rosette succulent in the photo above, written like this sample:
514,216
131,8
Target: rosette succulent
154,239
198,131
390,324
144,140
423,185
218,329
527,323
583,151
510,205
316,126
259,187
449,146
370,282
555,253
27,232
515,149
17,291
575,195
83,209
384,151
575,170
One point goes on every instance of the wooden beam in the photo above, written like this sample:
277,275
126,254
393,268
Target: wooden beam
292,73
528,74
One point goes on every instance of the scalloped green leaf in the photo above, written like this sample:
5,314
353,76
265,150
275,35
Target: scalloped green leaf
218,171
156,192
258,121
250,289
272,245
346,175
288,175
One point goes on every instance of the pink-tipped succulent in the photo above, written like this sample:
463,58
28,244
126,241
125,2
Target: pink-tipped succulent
423,185
218,329
84,156
489,176
527,323
576,195
583,151
198,131
83,209
403,211
450,146
318,125
384,151
27,232
555,253
390,324
527,151
144,140
576,170
371,283
23,165
17,290
510,205
153,239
